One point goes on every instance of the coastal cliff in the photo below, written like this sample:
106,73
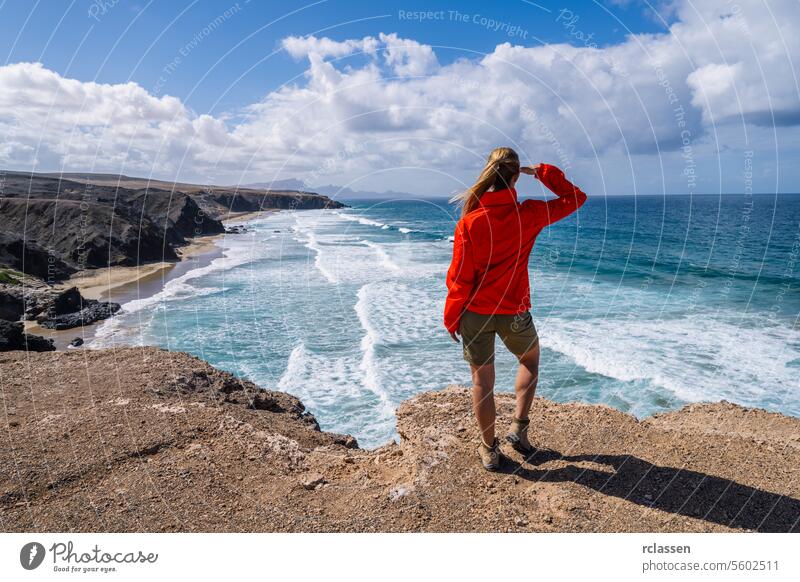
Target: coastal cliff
141,439
52,226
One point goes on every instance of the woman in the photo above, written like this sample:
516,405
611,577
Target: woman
488,292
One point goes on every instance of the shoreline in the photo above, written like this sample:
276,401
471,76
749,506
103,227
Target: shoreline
105,283
123,284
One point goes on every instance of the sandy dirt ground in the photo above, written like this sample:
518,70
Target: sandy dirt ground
140,439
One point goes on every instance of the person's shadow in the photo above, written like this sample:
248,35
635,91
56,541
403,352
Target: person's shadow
678,491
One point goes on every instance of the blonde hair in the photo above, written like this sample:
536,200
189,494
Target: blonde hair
501,168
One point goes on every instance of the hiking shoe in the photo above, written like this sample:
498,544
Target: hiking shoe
518,436
490,456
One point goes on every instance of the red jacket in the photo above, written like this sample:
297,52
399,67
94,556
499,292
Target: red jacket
489,271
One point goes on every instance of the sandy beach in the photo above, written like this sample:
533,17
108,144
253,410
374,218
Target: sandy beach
121,284
245,216
112,282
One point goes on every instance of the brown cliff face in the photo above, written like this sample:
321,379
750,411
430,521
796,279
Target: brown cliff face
140,439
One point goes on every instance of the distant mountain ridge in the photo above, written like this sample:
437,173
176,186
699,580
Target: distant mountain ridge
332,191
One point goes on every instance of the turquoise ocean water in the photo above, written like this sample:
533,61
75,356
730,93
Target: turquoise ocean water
642,303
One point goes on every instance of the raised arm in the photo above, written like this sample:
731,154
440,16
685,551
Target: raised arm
570,197
460,280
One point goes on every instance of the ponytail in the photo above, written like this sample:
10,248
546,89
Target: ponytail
500,169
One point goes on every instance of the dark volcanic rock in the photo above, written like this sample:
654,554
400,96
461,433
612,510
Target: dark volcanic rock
67,302
13,337
30,257
176,215
52,226
37,343
54,238
12,305
219,202
37,302
77,342
66,309
93,311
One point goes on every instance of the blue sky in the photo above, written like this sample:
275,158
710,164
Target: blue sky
244,96
135,40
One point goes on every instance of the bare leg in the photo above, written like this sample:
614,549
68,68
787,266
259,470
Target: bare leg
527,379
483,400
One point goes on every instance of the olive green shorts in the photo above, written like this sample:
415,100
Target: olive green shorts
477,335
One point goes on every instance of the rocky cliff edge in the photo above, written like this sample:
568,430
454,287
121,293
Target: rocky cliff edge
141,439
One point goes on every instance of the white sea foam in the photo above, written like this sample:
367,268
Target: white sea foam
383,257
294,375
320,379
179,288
411,351
700,358
400,313
343,258
369,222
369,362
362,220
309,239
339,390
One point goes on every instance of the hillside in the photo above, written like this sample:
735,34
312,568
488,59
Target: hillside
140,439
51,226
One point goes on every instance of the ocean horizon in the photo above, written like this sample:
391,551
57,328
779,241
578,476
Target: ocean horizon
642,303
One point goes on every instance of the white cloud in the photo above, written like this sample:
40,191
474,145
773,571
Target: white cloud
408,58
38,91
721,63
307,46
